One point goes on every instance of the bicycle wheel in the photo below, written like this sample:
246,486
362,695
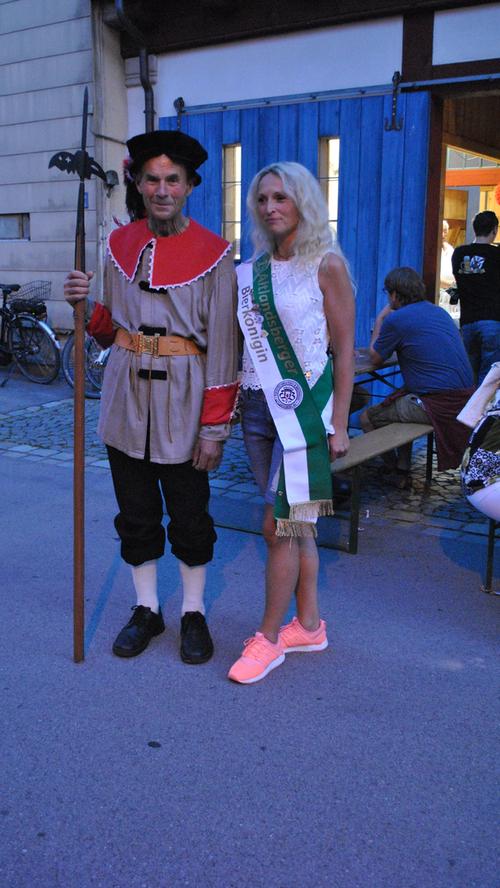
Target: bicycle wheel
34,349
93,370
95,362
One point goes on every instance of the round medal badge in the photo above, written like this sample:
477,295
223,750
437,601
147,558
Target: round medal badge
288,394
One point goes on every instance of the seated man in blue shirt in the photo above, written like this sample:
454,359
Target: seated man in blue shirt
436,371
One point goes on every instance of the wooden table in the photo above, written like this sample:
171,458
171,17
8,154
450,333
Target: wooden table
365,371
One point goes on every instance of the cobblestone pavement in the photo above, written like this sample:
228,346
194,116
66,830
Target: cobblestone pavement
44,432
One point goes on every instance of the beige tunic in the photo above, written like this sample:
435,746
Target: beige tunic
204,311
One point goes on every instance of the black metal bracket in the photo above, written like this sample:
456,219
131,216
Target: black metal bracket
394,123
179,105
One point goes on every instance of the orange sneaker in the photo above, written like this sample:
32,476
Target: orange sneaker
294,637
258,658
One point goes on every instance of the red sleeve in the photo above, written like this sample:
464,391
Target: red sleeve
218,404
100,326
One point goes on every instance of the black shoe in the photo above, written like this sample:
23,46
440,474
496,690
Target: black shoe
196,644
140,629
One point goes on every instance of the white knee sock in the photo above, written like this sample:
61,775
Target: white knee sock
193,587
146,587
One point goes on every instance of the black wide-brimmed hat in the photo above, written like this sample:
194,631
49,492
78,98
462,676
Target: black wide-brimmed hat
179,147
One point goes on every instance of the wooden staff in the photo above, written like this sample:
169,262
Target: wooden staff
79,423
85,166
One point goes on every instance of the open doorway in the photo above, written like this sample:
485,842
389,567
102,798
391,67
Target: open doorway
472,185
471,140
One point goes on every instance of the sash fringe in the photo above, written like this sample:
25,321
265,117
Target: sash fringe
302,520
310,512
287,528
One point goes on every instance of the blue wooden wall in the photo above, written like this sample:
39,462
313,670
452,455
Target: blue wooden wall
383,176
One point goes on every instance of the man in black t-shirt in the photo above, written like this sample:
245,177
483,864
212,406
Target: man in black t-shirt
476,268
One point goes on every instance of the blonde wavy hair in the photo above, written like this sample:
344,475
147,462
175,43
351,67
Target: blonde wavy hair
314,235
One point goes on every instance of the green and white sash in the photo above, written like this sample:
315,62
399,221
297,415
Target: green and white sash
300,414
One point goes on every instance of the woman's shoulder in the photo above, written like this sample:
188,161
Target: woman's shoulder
331,265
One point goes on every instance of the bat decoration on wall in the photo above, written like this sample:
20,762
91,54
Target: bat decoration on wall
80,163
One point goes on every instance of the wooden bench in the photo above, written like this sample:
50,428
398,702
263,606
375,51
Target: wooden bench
367,446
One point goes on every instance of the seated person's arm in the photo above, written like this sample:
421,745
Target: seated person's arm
376,358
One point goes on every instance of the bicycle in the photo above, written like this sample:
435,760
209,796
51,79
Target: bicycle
95,363
25,336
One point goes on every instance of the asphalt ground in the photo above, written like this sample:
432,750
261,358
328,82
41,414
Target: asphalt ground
369,765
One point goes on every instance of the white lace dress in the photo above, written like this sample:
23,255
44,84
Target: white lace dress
299,302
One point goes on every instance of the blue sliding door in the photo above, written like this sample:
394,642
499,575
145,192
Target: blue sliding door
383,176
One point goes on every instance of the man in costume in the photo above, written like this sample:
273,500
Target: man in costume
476,268
169,312
436,372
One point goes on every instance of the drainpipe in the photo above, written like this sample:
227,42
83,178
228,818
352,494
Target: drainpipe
139,39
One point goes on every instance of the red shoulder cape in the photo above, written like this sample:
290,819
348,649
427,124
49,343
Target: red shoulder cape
175,261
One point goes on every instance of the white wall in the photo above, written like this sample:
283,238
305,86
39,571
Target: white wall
48,53
467,35
310,61
45,63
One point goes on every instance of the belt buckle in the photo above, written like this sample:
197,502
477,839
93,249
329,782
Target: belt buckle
148,345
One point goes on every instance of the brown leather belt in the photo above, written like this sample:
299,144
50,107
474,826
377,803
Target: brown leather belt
157,346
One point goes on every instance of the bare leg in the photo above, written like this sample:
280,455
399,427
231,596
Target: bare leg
282,574
365,422
292,565
391,457
307,586
404,457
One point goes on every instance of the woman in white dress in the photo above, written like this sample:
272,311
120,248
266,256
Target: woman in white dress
296,310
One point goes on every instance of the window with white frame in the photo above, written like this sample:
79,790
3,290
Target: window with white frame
231,196
329,152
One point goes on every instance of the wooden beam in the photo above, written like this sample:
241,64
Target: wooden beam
467,69
209,22
434,200
477,176
418,37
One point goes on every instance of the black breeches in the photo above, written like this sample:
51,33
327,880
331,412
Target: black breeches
139,485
